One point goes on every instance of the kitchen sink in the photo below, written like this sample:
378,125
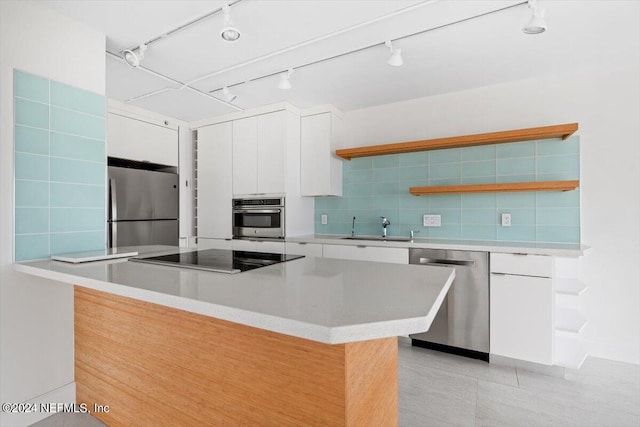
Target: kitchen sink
378,239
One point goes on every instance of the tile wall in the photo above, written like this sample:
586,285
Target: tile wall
379,186
60,168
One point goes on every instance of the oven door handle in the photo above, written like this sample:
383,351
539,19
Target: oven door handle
257,210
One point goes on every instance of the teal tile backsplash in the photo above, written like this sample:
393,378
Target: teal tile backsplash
379,186
31,87
60,168
32,140
75,99
74,123
77,171
31,113
75,147
31,166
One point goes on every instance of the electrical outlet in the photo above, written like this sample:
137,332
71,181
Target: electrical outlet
324,219
431,220
505,218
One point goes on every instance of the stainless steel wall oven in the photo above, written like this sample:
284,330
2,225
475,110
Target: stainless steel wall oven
258,217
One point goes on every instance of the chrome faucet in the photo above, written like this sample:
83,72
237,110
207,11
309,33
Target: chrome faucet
385,222
412,232
353,227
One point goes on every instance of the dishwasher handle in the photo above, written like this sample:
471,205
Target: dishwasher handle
442,261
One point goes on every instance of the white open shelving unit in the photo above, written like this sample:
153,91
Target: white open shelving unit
570,352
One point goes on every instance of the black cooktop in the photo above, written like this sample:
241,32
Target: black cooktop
219,260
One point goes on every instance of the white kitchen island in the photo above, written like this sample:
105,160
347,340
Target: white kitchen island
305,342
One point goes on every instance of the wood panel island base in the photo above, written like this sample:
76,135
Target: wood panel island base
155,365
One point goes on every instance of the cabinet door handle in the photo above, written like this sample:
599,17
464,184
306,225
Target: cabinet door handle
360,246
446,261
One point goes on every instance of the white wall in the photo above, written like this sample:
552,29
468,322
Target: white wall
36,316
606,104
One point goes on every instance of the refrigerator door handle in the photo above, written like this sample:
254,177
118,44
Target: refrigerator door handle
112,196
113,235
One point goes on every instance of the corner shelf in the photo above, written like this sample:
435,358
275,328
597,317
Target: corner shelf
497,188
572,287
569,321
570,352
563,131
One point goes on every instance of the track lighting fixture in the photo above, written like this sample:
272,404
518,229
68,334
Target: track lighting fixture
536,24
132,58
285,79
228,33
395,60
228,96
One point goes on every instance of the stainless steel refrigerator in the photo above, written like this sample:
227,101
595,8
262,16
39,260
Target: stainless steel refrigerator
143,207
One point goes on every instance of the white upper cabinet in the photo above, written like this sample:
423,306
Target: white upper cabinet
245,155
214,181
139,140
259,154
265,159
321,169
271,146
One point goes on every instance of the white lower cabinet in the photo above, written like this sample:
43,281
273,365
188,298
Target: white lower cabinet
367,253
214,244
258,246
521,320
307,249
535,311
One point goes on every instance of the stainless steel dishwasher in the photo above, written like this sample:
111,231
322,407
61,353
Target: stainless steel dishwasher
462,323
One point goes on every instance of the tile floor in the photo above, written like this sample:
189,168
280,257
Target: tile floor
437,389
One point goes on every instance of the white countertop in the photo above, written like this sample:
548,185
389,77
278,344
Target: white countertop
555,249
327,300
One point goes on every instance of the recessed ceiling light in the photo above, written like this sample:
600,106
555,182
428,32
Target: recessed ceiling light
285,79
536,24
228,33
395,60
132,58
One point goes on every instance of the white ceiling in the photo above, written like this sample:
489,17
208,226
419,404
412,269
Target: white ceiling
474,53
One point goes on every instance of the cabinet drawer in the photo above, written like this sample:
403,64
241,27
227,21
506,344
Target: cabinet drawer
258,246
308,249
522,264
243,245
269,247
367,253
214,244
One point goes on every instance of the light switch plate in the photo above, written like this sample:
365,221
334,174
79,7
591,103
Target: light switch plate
431,220
323,218
505,218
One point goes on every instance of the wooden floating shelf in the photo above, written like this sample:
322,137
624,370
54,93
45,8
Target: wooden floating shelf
545,132
497,188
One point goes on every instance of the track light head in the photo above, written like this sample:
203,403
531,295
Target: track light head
132,58
229,33
228,96
285,79
536,24
395,60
